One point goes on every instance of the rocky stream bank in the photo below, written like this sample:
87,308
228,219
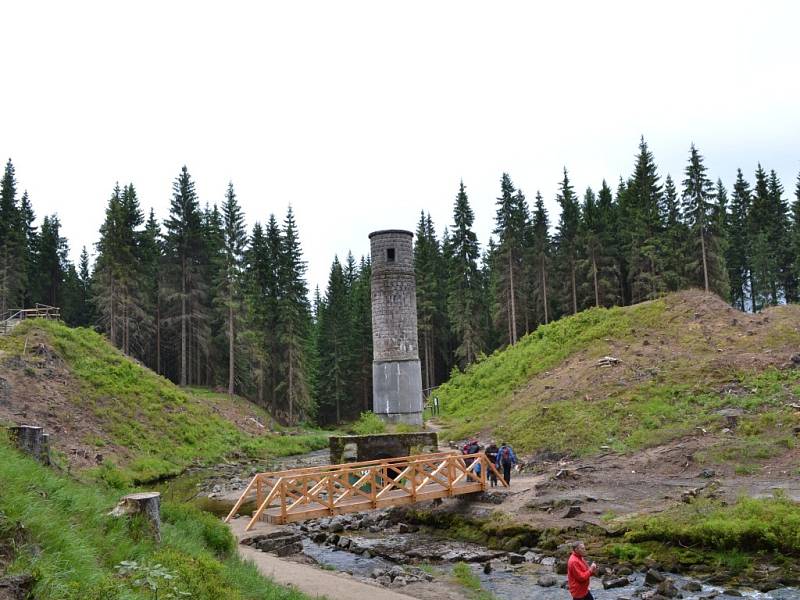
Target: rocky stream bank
390,549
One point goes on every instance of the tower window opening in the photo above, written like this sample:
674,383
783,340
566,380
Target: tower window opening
390,255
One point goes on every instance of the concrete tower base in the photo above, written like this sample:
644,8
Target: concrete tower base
396,389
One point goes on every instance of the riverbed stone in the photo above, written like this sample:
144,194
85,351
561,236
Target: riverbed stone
667,589
615,582
732,592
546,581
384,580
653,577
344,543
336,527
515,559
692,586
333,539
561,567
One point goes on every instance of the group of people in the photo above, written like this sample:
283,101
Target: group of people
579,573
502,457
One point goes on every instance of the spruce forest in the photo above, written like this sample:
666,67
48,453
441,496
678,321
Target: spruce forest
203,302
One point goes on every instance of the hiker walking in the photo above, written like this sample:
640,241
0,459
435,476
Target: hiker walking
471,447
506,459
579,573
491,454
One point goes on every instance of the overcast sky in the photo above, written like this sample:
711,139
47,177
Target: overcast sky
361,114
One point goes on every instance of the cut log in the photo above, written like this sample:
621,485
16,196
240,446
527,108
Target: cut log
144,503
31,440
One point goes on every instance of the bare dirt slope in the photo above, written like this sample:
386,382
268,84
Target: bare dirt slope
698,398
98,404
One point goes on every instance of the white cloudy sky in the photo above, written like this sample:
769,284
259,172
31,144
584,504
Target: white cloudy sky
360,114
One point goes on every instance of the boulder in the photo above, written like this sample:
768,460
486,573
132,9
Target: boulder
288,549
344,543
653,577
615,582
667,589
731,592
692,586
546,581
515,559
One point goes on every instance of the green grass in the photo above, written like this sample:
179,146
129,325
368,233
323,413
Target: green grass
672,401
464,575
72,546
161,427
751,524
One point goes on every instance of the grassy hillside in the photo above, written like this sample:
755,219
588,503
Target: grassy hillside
685,362
59,531
102,407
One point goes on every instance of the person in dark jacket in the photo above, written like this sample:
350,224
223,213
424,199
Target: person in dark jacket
491,454
506,459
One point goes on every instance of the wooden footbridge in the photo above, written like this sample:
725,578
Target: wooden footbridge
313,492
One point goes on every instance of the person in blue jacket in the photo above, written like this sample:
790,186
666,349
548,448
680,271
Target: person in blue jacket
506,459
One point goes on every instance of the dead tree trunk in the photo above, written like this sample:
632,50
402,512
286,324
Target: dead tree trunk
33,441
147,504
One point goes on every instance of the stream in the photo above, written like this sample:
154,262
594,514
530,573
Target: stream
377,547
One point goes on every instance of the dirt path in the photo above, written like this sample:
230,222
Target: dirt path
308,579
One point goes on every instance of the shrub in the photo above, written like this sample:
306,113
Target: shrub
368,423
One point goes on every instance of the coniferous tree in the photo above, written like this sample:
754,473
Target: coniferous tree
567,242
640,201
84,310
599,281
13,270
30,236
510,227
707,261
150,253
334,360
779,237
426,257
361,334
767,233
464,293
117,283
260,278
737,256
541,252
183,243
795,232
294,323
674,238
235,240
51,262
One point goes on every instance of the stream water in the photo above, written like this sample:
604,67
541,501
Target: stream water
388,548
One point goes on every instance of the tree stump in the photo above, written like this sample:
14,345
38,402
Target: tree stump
33,441
144,503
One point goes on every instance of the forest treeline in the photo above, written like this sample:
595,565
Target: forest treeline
202,301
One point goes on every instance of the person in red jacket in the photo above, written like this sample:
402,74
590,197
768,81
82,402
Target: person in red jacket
579,573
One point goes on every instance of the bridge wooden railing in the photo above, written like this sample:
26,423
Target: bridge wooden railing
12,317
313,492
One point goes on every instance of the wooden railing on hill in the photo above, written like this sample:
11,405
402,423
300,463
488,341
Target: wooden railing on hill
313,492
12,318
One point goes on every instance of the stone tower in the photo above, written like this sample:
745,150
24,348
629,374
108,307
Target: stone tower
396,375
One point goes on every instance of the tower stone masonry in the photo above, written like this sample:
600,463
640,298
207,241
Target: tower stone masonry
396,374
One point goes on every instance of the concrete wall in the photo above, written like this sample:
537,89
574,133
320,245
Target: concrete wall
358,448
396,375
